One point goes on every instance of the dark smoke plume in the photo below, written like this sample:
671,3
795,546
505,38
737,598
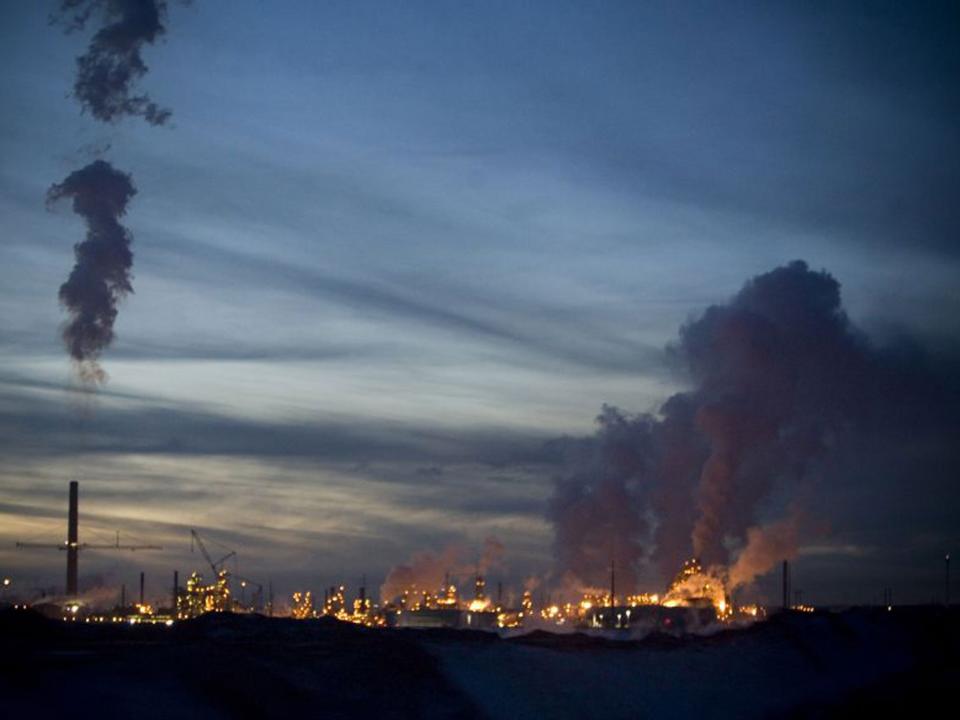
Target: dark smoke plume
783,386
598,509
101,275
109,70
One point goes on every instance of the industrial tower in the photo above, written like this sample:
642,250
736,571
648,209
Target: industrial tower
73,546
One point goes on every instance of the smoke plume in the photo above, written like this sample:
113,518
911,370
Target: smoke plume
491,558
782,384
598,509
101,276
108,72
766,546
427,570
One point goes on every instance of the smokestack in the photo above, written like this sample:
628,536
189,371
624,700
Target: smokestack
141,587
786,585
123,596
72,546
613,584
176,593
499,593
946,581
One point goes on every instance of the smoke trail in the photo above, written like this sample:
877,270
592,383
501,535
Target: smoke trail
782,383
101,276
109,70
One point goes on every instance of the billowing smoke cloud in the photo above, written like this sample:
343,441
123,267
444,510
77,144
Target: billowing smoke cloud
427,570
101,275
782,384
109,70
598,509
765,547
777,370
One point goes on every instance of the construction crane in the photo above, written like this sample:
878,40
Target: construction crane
73,546
196,540
217,567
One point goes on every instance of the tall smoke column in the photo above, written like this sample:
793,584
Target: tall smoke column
784,392
101,276
110,68
771,367
598,509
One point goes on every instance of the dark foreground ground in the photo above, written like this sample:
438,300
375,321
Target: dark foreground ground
859,663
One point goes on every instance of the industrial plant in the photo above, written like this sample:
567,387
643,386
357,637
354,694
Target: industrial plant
695,598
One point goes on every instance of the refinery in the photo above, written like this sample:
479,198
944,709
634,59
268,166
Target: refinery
695,598
218,645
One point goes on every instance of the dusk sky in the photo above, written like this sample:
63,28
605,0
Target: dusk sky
388,254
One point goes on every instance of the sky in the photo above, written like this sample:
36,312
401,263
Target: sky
387,254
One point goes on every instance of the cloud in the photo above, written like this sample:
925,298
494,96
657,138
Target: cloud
546,333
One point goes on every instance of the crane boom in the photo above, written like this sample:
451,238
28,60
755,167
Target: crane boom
88,546
195,538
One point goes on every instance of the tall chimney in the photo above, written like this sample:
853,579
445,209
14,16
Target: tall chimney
141,587
123,596
72,546
786,585
613,586
176,593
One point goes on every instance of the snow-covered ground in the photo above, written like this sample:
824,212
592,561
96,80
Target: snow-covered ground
797,665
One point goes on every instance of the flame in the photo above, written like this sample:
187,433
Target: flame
479,605
695,587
